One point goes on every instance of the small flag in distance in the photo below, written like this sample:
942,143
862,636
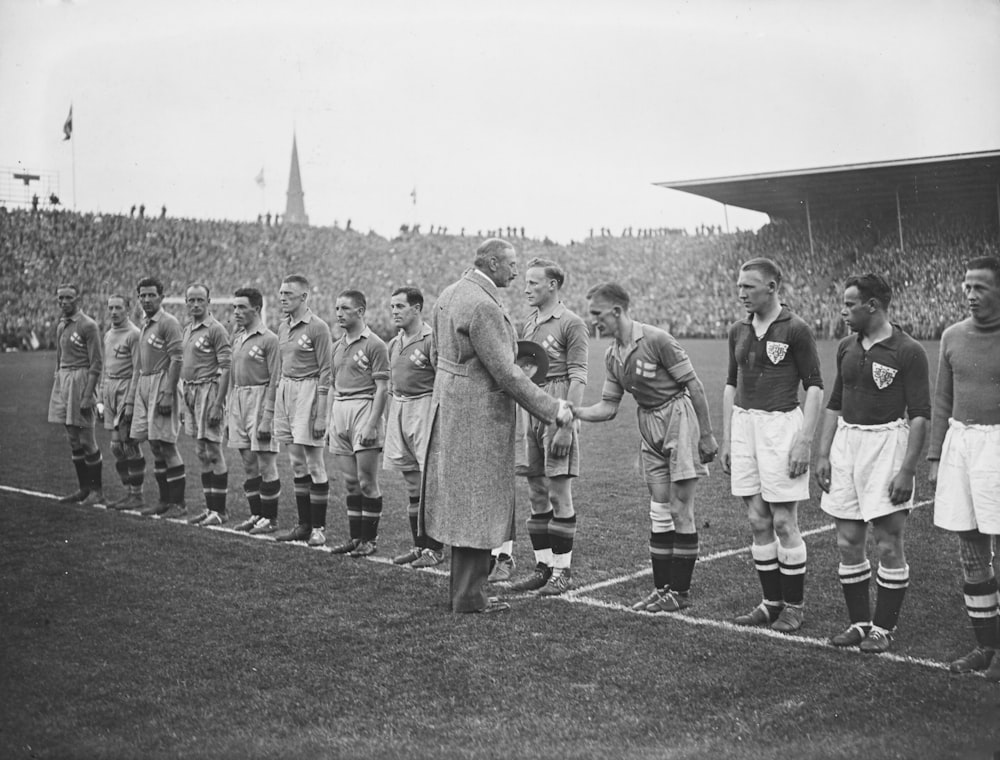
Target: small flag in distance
259,179
68,126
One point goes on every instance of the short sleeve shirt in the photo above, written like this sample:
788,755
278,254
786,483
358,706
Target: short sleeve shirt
207,350
306,348
767,371
563,335
161,343
652,367
358,363
882,384
78,343
121,345
411,372
255,357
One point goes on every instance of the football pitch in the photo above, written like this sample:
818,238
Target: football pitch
124,636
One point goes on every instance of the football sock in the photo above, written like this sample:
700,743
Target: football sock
562,531
354,506
80,465
765,559
121,467
270,490
981,604
413,512
319,493
160,473
371,512
661,555
206,488
538,532
251,487
892,583
302,503
854,582
95,465
137,471
682,564
792,567
176,483
220,490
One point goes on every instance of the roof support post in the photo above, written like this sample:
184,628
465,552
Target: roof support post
809,226
899,222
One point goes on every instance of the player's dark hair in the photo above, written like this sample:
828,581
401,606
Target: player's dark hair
870,286
70,286
552,270
490,248
150,282
991,263
611,292
356,296
208,293
297,279
766,267
413,295
252,295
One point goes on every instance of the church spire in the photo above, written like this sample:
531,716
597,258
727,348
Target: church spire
295,208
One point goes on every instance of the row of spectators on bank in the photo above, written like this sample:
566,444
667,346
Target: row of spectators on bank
685,283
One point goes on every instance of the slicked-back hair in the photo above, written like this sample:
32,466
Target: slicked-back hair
297,279
208,293
552,270
870,286
766,267
252,295
69,286
357,298
490,248
413,295
150,282
990,263
611,292
125,300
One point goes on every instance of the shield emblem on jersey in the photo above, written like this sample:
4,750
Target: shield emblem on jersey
882,375
776,351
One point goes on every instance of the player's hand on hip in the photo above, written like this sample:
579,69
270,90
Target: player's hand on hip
823,474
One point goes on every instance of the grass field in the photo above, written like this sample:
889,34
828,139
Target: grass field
123,636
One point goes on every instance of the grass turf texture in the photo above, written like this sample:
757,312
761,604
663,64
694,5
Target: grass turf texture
124,636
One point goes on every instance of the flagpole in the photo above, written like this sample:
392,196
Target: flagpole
72,148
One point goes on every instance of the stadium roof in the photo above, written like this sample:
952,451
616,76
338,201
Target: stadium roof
965,178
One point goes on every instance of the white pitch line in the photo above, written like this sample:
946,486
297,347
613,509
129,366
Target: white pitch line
707,558
26,492
746,630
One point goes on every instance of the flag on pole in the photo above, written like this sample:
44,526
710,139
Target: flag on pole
259,179
413,194
68,126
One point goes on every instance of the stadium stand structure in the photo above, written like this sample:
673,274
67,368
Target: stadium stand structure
947,210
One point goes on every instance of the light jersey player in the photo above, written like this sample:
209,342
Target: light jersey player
411,386
873,432
250,407
154,412
964,453
121,353
73,400
208,355
300,407
676,432
552,453
357,421
767,438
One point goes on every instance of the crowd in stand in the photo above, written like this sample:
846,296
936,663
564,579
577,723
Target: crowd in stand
684,283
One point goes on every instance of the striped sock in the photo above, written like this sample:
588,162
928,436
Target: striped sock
371,512
354,502
137,471
160,473
661,554
270,490
765,559
792,567
413,512
220,491
302,502
541,540
121,467
95,465
682,564
983,607
319,493
80,465
206,488
892,583
176,483
562,531
251,487
854,582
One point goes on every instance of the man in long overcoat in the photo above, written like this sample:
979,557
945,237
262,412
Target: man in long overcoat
468,473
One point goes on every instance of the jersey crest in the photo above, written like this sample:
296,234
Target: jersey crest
305,342
418,358
361,359
645,369
156,341
776,351
203,345
76,339
256,353
551,346
883,375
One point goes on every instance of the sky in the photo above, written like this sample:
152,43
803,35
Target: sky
558,116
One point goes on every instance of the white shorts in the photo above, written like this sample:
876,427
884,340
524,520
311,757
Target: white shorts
295,411
406,430
198,399
114,394
347,418
244,407
759,449
863,461
968,484
66,397
147,425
